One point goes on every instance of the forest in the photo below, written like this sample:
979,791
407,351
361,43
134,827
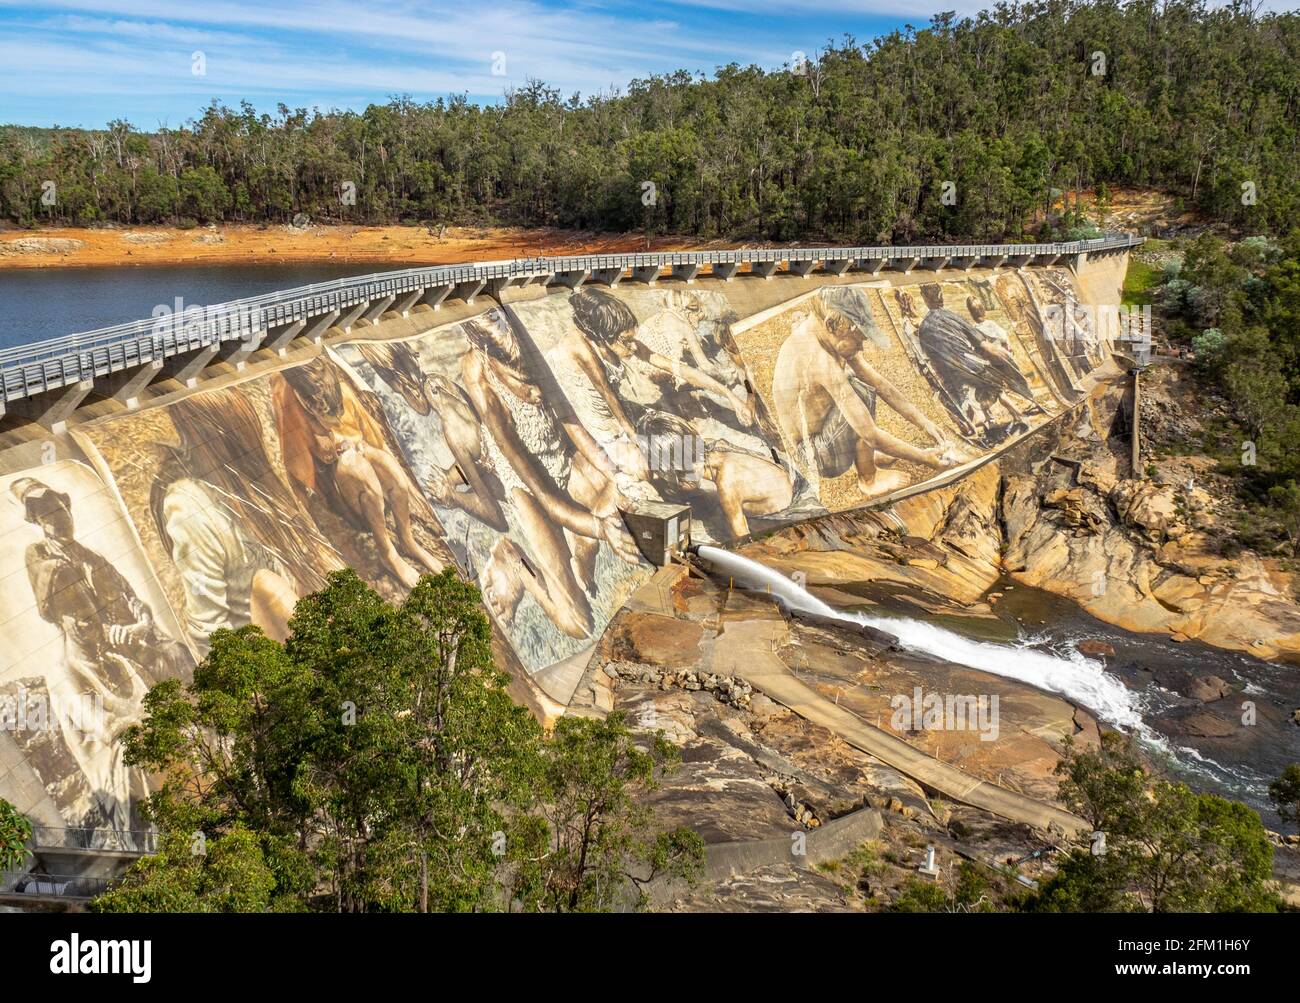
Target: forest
969,128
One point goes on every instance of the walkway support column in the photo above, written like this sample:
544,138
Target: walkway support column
52,409
278,338
126,386
434,295
607,276
572,279
407,300
350,316
468,289
376,309
189,367
237,352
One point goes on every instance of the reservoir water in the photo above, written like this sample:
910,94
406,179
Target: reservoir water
41,303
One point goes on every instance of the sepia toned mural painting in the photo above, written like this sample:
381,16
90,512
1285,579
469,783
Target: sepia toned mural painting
507,445
527,505
653,378
86,631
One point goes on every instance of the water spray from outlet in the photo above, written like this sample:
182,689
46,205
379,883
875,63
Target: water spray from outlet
1080,679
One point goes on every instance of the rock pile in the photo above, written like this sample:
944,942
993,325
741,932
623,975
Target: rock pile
728,689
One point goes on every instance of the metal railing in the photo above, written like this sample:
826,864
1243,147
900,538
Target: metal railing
64,886
29,369
54,838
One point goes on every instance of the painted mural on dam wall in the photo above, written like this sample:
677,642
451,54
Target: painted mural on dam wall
507,445
86,632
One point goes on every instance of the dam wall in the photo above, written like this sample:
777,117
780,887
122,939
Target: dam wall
506,441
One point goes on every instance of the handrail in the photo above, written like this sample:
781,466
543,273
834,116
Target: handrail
69,886
52,837
169,332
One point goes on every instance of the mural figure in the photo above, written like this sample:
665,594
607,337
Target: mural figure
1068,323
744,484
825,393
226,521
649,376
649,357
106,628
1020,309
335,449
113,649
974,371
560,493
468,482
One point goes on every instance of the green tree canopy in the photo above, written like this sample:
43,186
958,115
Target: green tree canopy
375,762
1155,845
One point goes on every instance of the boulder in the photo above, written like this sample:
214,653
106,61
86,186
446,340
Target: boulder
1152,508
1201,723
1082,509
1094,649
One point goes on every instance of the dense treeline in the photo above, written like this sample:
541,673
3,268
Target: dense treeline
1013,107
1237,305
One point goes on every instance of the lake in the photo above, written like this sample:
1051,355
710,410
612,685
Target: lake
36,304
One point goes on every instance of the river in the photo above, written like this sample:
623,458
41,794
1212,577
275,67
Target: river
36,304
1239,763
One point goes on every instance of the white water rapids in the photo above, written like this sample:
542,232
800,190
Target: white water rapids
1080,679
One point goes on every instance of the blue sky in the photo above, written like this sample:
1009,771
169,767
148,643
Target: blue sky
85,62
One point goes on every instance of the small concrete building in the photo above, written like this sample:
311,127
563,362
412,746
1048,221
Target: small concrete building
662,530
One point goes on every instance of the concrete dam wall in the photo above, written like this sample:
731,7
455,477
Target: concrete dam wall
507,443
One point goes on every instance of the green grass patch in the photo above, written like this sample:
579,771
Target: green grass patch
1139,282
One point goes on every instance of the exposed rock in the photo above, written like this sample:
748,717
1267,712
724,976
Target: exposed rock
1147,567
656,640
1149,507
1200,723
1207,689
1094,649
1082,509
148,237
41,245
728,689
